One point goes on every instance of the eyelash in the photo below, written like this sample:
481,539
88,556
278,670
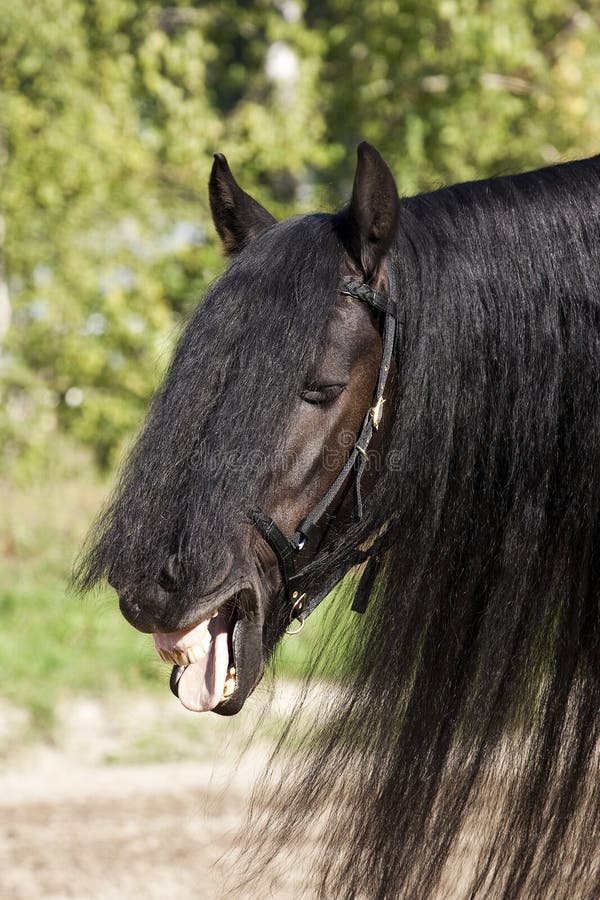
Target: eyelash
322,394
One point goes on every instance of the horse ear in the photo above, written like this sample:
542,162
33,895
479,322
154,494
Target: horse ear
237,216
371,219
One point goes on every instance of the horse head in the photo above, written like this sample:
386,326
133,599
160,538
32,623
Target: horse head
218,595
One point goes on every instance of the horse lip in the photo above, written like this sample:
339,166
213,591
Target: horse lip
211,603
249,662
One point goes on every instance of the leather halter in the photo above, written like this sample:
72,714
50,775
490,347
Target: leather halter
286,549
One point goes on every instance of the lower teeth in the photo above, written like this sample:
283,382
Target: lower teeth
229,686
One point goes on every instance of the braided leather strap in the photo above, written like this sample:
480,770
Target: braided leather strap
361,291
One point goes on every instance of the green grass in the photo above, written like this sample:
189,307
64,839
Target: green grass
54,645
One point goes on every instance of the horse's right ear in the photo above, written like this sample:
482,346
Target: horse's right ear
237,216
368,225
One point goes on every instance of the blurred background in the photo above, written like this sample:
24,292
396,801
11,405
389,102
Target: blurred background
110,111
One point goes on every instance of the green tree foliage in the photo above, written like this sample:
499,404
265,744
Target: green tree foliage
110,111
452,90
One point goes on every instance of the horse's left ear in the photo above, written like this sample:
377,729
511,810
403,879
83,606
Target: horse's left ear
238,217
369,224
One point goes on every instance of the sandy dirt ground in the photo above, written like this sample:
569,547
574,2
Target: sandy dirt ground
137,798
78,822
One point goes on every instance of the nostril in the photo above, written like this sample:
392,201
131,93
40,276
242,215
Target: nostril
168,575
145,607
129,607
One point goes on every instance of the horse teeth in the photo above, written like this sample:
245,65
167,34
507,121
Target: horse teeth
195,653
230,683
228,687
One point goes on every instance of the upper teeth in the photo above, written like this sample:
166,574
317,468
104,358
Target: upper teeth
195,653
186,656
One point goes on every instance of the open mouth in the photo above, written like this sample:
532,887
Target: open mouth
209,674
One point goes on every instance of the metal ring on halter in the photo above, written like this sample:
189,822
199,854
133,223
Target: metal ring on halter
297,606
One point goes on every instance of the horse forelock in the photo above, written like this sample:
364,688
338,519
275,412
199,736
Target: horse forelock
200,461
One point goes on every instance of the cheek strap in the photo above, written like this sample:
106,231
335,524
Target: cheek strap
286,549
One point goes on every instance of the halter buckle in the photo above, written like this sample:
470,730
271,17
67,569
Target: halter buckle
376,413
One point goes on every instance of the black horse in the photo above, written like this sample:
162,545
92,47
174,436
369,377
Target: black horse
411,387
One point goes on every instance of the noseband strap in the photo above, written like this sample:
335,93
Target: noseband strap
286,549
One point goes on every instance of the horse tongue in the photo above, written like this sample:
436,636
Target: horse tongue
201,685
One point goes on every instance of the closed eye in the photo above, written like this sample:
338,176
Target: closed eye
320,394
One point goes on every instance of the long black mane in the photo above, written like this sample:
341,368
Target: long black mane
470,719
